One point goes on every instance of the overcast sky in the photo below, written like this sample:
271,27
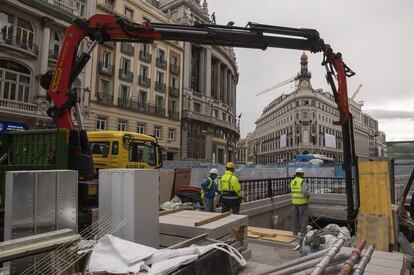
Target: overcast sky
376,38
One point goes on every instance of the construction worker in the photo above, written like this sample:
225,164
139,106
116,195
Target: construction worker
300,202
230,189
209,189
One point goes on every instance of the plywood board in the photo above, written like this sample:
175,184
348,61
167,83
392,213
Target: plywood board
253,236
375,192
282,239
269,232
374,229
182,178
166,184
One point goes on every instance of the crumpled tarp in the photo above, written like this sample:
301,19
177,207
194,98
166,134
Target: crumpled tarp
118,256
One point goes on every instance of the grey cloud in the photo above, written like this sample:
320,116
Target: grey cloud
388,114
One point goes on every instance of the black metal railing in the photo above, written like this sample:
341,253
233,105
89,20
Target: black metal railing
174,69
126,75
105,98
136,106
145,56
174,115
173,91
160,87
161,63
144,81
127,48
254,190
106,69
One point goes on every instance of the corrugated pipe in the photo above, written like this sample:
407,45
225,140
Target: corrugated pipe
297,261
318,270
353,259
366,257
331,269
310,264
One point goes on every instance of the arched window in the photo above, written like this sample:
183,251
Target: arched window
14,81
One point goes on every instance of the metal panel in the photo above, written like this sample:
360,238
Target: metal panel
39,202
67,199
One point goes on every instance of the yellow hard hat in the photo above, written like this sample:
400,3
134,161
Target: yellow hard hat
230,165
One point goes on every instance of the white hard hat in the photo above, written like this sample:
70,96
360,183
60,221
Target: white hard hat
299,170
214,171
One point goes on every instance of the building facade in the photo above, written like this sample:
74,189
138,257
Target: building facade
209,123
302,123
138,87
241,150
30,40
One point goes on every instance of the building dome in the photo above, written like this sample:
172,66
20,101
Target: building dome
304,57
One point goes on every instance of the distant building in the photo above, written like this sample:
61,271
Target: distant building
241,150
31,36
138,87
209,123
302,123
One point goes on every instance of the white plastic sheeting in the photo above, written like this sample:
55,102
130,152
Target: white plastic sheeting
118,256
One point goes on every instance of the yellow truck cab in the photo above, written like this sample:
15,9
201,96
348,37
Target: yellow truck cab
118,149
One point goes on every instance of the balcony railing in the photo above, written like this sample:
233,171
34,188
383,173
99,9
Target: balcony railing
175,69
145,56
136,106
106,4
126,75
106,69
19,106
144,81
174,115
161,63
127,48
64,5
17,43
105,98
160,87
173,91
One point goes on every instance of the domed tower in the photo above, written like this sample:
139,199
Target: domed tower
304,76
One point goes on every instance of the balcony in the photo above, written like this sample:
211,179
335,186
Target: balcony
172,91
136,106
145,56
106,69
175,69
105,98
18,106
174,115
144,81
161,63
109,5
23,46
74,7
127,48
160,87
126,75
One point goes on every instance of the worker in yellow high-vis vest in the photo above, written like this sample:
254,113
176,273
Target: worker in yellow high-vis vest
300,205
230,190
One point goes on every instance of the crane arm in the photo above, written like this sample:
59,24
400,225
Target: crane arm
357,91
102,28
277,85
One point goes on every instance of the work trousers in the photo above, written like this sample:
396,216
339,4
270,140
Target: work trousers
209,204
233,204
300,218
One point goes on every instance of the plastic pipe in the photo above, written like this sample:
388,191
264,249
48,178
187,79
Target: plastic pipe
331,269
309,265
353,259
366,257
297,261
318,270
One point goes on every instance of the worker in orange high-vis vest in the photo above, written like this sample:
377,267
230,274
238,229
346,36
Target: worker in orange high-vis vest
300,205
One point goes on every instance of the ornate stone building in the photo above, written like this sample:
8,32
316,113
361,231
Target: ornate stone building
209,123
138,87
302,123
30,40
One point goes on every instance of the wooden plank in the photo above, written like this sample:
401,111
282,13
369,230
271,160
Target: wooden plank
375,192
212,219
253,236
282,239
167,212
373,229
